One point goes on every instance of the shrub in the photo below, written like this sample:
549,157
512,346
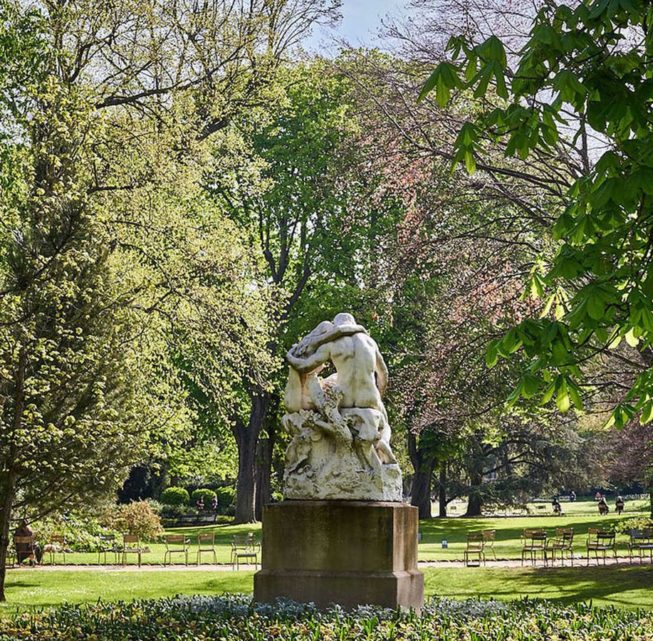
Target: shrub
226,497
137,517
205,494
175,496
82,533
204,618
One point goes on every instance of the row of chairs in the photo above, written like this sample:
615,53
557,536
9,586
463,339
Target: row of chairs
537,542
244,548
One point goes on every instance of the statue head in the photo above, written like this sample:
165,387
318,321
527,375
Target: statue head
344,319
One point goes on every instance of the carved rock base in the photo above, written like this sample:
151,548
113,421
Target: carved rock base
345,552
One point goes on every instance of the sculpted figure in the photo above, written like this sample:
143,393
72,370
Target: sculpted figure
341,435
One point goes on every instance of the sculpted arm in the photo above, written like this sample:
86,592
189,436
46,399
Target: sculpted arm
302,365
381,373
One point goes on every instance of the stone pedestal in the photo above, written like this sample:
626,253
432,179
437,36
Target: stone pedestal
345,552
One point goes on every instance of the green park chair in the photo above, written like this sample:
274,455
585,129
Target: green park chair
175,544
600,541
107,545
534,543
244,547
562,543
474,553
206,543
641,541
131,544
489,538
56,545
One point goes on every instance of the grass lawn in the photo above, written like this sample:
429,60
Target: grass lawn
628,587
579,515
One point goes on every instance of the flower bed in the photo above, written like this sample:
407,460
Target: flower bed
234,617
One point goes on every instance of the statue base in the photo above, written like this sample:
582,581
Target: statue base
348,553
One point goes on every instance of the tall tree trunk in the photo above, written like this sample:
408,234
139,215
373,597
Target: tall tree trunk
264,468
246,440
9,492
475,500
442,491
420,490
9,485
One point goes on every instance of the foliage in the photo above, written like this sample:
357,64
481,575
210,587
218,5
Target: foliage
636,523
82,533
205,494
226,498
202,618
175,496
585,68
136,517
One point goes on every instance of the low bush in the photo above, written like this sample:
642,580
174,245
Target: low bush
205,494
201,618
137,517
82,533
175,496
226,499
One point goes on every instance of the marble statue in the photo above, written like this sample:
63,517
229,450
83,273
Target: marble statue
340,447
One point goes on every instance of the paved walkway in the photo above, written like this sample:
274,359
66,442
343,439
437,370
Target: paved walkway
192,567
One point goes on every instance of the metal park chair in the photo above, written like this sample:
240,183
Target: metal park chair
475,549
489,537
534,543
175,544
600,541
24,548
131,544
562,543
244,547
107,544
641,541
206,543
56,545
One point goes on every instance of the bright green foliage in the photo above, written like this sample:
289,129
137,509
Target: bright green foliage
583,69
205,494
175,496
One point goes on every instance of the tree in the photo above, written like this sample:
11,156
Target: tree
583,71
107,110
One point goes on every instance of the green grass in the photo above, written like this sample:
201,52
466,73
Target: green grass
628,587
579,515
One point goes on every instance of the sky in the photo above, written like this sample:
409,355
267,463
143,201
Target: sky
361,20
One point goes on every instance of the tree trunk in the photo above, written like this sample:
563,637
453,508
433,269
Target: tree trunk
9,489
475,500
264,469
420,490
442,491
246,440
9,492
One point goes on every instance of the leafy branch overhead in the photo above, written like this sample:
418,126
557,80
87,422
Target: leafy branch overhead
584,73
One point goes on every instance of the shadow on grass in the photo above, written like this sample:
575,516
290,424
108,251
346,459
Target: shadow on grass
621,586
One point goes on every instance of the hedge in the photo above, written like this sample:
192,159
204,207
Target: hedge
201,618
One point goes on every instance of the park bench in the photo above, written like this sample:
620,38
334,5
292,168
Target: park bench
641,541
474,553
562,543
244,548
600,541
534,543
175,544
